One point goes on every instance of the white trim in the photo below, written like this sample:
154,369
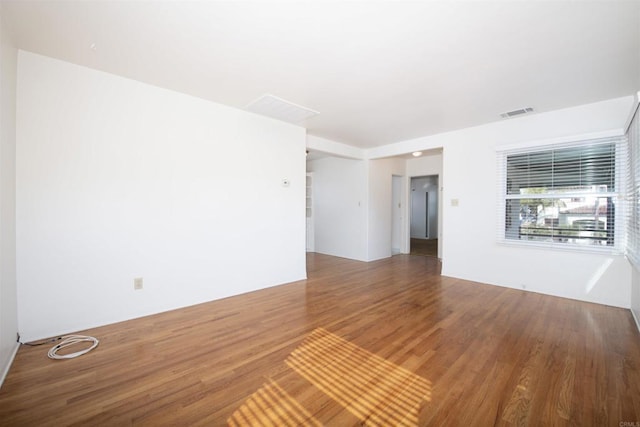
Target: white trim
551,195
633,313
5,371
541,143
632,113
568,247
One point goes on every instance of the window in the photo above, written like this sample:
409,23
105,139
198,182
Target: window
633,238
566,195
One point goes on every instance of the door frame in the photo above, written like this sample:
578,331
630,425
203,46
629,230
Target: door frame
408,213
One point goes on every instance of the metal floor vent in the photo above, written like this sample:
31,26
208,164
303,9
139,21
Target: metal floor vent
278,108
516,113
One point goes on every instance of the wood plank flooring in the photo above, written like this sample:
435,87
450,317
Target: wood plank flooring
425,247
383,343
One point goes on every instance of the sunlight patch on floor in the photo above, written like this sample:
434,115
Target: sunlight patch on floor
374,390
272,406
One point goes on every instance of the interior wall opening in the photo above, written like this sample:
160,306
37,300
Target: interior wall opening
423,225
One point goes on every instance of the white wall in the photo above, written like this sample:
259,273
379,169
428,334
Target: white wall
380,190
334,148
340,207
309,215
117,179
397,214
635,295
470,249
353,206
428,164
8,291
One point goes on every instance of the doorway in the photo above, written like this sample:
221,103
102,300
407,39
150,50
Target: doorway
424,215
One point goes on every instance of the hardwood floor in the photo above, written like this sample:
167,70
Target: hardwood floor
384,343
425,247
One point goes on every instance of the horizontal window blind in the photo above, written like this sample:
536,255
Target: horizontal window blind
563,168
566,195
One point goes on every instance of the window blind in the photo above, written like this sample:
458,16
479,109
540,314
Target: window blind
568,195
564,168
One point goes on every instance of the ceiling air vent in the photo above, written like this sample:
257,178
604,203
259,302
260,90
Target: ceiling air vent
516,113
278,108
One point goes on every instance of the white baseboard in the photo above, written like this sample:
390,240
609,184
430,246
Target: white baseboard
5,371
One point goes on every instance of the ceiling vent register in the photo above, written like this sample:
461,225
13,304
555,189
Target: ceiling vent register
516,113
278,108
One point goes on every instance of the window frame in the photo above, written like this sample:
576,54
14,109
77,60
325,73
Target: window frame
618,195
632,250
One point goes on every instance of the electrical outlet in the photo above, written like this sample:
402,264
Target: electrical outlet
137,283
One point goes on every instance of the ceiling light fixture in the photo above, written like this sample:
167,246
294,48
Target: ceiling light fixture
416,153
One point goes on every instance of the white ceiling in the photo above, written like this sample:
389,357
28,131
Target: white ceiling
377,71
